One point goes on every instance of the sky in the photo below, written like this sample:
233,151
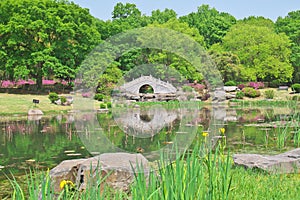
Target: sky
240,9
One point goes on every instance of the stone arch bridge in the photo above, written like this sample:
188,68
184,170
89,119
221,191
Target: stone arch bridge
159,86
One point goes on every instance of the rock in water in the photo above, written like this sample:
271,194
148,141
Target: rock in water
116,167
288,162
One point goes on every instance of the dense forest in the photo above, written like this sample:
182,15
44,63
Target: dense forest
49,39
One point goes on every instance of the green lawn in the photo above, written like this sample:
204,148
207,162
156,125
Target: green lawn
11,104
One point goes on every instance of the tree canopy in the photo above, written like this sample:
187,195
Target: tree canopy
44,38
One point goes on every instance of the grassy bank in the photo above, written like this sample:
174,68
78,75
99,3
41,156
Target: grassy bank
15,104
192,176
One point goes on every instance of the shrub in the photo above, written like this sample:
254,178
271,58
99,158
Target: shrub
63,99
53,97
102,105
7,84
256,85
48,82
296,98
274,83
198,87
251,92
86,95
296,87
241,86
269,94
240,95
230,83
187,88
99,97
108,104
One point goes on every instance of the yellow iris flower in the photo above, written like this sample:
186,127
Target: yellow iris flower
222,131
204,134
63,183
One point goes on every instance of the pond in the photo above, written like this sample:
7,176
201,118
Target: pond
42,143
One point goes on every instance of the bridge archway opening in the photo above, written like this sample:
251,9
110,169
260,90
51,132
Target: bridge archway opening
146,89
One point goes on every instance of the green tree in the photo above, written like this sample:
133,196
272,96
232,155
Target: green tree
227,63
263,53
290,25
44,38
211,24
162,17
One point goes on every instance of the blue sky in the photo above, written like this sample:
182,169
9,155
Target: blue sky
238,8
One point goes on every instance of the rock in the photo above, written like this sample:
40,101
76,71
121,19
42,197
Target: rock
230,96
230,88
35,112
288,162
118,167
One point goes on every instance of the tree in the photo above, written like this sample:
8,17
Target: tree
211,24
263,53
290,25
227,63
162,17
44,38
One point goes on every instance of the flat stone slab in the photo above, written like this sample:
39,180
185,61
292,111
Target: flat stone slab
288,162
118,168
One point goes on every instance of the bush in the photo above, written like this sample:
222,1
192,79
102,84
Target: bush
251,92
269,94
230,83
256,85
108,104
99,97
186,88
275,83
102,105
63,99
241,86
240,95
296,98
53,97
296,87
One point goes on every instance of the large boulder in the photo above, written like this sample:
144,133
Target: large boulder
118,168
288,162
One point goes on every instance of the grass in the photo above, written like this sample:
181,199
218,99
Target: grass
15,104
191,176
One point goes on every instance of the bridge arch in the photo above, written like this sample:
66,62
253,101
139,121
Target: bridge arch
158,86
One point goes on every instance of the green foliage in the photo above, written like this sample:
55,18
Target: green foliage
99,97
102,106
44,38
230,83
290,25
63,99
227,63
109,104
269,94
53,97
263,53
296,87
211,24
240,95
251,92
187,88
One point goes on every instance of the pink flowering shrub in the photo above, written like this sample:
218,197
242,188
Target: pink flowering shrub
197,86
241,86
48,82
7,84
23,82
256,85
86,94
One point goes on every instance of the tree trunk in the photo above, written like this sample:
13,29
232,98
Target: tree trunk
39,75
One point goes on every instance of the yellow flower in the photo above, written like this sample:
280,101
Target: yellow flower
222,130
63,183
204,134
